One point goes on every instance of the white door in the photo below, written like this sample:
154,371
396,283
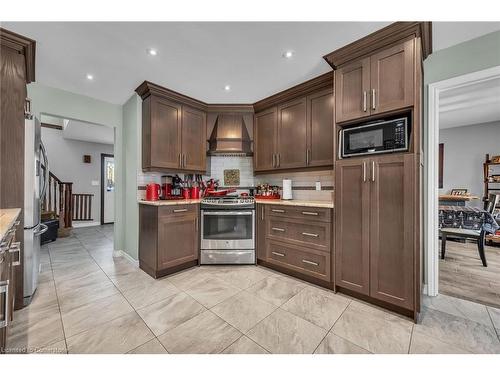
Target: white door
108,189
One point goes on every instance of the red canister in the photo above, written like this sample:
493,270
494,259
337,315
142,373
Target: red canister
195,192
186,194
153,192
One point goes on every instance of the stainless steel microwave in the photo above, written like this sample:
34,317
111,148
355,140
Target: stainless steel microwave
374,138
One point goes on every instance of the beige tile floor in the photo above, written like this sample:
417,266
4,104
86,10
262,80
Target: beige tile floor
90,302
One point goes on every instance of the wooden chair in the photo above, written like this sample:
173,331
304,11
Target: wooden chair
478,235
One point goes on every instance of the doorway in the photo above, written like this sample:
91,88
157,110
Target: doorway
438,92
107,189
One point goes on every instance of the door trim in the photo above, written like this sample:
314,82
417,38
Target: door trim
102,186
431,192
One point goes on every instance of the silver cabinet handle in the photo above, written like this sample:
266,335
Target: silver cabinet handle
278,254
274,160
180,160
180,210
278,211
278,229
262,212
15,247
307,157
364,172
4,289
309,262
364,101
310,213
373,171
373,99
310,234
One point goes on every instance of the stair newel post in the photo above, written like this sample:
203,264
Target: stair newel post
69,205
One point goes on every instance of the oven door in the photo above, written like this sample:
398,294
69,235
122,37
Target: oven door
227,230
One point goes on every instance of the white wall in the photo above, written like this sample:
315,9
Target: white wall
66,162
464,151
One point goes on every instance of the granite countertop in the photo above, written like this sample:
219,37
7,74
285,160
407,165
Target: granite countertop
175,202
297,202
8,217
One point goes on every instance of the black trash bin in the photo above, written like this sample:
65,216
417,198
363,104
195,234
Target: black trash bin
51,233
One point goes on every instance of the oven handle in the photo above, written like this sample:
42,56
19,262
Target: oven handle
227,213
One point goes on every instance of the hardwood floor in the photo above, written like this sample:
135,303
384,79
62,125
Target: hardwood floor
462,275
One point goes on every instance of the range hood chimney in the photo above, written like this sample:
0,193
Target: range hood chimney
230,136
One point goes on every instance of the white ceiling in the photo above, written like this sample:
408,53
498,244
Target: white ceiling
472,104
199,59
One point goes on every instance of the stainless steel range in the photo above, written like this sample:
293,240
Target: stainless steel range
228,230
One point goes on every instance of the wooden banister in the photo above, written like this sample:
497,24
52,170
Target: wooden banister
58,200
82,207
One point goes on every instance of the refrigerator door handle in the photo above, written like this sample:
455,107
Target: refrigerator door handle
40,229
46,163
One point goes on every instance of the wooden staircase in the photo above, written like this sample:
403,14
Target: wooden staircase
57,204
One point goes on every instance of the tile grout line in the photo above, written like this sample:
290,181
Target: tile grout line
493,324
411,338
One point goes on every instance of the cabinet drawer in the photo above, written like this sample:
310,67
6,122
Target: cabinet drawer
298,212
312,234
307,261
181,209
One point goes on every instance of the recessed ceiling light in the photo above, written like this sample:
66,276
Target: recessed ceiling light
227,88
152,51
90,77
288,54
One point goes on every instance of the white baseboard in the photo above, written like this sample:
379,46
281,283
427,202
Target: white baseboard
85,224
121,253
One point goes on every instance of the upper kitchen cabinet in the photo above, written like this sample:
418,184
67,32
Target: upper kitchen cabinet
173,130
378,74
265,135
293,130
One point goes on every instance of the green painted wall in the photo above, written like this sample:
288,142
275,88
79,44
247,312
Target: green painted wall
132,120
56,102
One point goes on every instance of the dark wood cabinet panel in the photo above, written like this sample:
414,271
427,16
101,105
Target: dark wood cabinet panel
305,213
392,78
292,130
168,238
265,139
352,83
392,231
320,129
260,228
352,220
194,133
161,133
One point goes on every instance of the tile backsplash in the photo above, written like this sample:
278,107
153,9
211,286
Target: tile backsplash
303,183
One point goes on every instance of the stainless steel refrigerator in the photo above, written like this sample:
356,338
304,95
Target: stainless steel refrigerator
35,186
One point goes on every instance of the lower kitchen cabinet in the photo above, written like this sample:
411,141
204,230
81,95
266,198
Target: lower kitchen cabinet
297,240
375,211
168,238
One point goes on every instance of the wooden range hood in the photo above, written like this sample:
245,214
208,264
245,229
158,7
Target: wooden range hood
230,136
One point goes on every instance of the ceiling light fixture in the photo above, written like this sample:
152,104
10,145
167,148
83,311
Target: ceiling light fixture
90,77
152,51
288,54
227,88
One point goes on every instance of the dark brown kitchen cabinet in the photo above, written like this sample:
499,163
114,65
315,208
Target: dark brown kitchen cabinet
375,210
379,83
320,129
265,134
352,83
352,221
168,238
296,134
260,227
194,133
292,135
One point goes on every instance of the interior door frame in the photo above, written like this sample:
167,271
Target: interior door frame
103,156
431,192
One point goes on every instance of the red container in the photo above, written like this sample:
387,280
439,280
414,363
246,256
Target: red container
195,192
166,190
186,193
153,192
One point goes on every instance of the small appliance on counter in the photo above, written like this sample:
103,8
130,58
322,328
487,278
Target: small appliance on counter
153,192
287,189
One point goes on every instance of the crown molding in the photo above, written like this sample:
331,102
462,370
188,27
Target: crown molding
23,45
382,38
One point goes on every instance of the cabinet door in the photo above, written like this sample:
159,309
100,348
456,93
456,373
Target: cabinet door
352,222
178,239
392,239
292,129
352,83
4,277
320,129
165,133
392,78
265,133
194,139
260,213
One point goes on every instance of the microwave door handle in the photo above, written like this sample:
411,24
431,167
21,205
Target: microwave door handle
227,213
